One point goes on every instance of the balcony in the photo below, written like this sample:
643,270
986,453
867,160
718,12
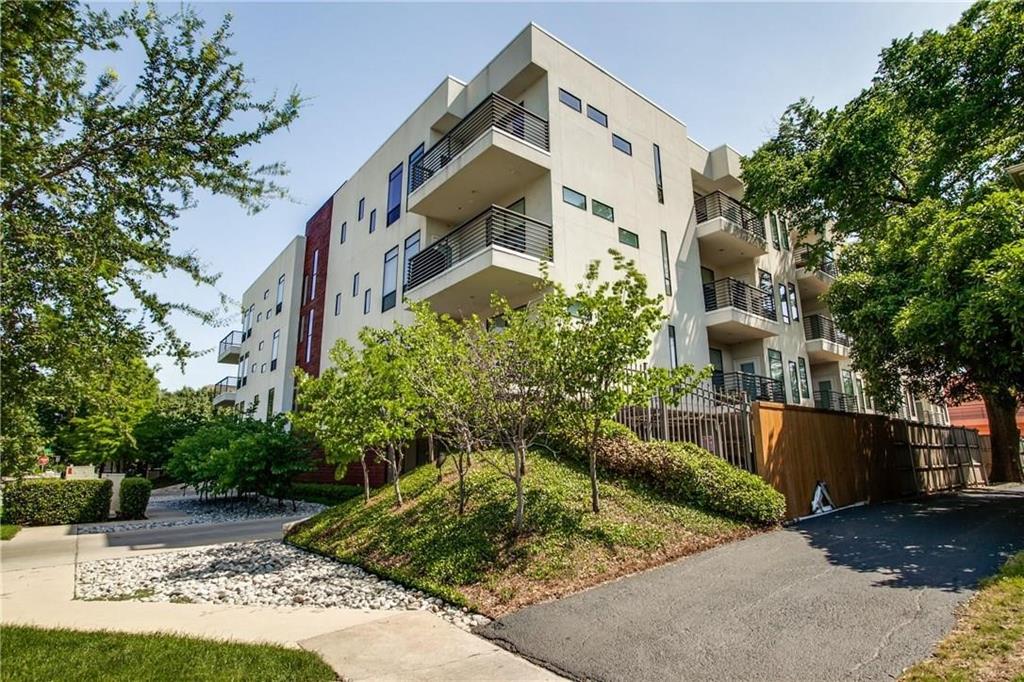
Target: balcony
225,391
836,401
814,279
754,386
727,230
497,251
229,350
738,312
498,148
825,343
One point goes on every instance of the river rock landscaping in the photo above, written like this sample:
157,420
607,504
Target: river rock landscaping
267,573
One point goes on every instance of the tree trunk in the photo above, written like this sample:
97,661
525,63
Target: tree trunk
1001,409
366,481
462,490
520,466
595,502
393,463
430,446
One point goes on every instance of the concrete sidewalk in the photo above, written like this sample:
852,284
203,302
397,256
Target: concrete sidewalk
37,582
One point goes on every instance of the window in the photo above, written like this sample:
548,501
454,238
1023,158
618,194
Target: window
622,144
570,100
260,346
805,389
266,294
415,171
263,368
794,382
629,238
673,356
389,288
784,302
775,369
602,210
666,263
344,232
597,116
337,304
270,402
355,285
275,345
847,377
657,174
259,316
305,288
316,270
252,309
412,247
775,231
861,403
784,229
270,311
793,310
764,282
366,302
309,335
574,198
280,294
362,208
373,220
394,195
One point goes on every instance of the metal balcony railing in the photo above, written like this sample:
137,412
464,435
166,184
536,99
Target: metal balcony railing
496,226
231,343
225,385
827,264
836,401
496,111
754,386
821,327
718,204
729,292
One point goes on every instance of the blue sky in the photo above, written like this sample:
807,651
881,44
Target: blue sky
727,70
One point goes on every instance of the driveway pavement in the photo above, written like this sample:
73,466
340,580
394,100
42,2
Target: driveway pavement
856,595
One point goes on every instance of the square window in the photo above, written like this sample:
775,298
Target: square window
597,116
570,100
622,144
602,210
571,196
629,238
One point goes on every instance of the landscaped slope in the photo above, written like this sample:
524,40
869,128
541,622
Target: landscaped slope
476,559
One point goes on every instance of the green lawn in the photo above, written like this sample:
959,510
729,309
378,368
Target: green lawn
477,560
32,654
8,530
988,642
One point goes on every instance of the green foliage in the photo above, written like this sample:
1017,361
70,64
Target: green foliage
175,415
234,453
134,497
324,493
52,501
95,175
29,655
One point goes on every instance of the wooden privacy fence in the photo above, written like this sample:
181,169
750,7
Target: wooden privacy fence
861,457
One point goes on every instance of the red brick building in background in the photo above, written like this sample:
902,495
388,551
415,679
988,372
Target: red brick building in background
973,416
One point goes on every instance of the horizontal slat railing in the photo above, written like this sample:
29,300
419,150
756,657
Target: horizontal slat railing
754,386
821,327
496,111
226,385
836,401
718,204
827,264
495,226
732,293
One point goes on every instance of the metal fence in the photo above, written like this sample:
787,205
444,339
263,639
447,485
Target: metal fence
718,204
729,292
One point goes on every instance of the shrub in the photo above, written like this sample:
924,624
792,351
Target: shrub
325,493
688,473
135,497
51,501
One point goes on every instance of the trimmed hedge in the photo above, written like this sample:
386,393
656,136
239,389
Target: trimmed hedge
53,501
324,493
688,473
134,498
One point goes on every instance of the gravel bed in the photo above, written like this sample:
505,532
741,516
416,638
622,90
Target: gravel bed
266,573
223,510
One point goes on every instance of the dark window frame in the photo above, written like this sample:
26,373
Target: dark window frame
666,263
579,194
362,209
597,116
628,233
389,299
594,203
657,174
624,145
570,100
394,196
373,220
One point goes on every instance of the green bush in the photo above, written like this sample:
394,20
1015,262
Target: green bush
688,473
135,497
52,501
325,493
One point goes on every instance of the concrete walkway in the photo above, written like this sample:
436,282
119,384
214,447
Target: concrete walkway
38,581
857,595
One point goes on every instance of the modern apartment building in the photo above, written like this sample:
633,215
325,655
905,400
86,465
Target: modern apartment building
544,155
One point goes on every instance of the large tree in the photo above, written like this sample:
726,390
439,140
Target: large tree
94,176
908,181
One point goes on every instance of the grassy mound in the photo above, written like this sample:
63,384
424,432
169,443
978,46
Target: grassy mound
476,559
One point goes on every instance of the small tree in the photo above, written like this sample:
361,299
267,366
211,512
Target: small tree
608,331
175,415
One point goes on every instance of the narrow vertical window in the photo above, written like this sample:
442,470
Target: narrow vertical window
280,294
316,270
389,289
784,230
805,389
673,354
666,263
275,345
355,285
344,232
362,208
270,402
777,374
309,335
764,282
373,220
337,304
412,247
784,302
793,309
366,302
657,174
775,231
794,382
416,174
394,194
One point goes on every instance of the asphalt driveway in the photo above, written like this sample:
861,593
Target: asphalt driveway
857,595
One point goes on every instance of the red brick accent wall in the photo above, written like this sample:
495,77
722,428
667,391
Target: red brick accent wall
324,473
318,237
